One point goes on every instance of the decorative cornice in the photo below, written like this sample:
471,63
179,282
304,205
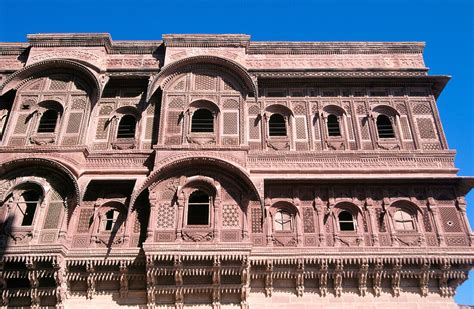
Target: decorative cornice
206,40
70,40
12,49
335,48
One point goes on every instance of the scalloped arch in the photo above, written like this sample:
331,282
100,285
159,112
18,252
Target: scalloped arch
217,163
38,69
170,70
47,163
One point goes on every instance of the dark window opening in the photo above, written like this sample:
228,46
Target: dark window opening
384,127
346,221
47,282
18,283
276,125
198,208
27,206
202,121
111,218
333,126
48,122
126,128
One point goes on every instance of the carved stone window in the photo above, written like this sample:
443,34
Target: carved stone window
127,127
202,121
403,221
346,221
48,122
276,125
333,125
199,208
283,221
384,127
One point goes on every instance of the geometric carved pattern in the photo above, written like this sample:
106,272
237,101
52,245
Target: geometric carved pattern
165,217
254,128
205,82
149,128
454,241
231,103
422,109
426,129
176,102
257,220
74,123
254,110
300,127
231,123
173,125
380,220
101,132
364,128
308,220
405,128
84,220
58,85
427,220
21,124
54,212
78,103
230,215
228,236
450,219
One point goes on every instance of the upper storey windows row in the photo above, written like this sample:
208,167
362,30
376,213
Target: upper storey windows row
207,106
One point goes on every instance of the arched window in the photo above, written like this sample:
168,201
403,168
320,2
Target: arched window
127,126
202,121
276,125
403,221
384,127
48,121
283,221
333,126
27,204
198,208
110,221
346,221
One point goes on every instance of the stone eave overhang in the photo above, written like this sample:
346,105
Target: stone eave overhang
354,78
13,49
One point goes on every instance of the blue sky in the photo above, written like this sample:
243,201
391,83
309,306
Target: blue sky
446,27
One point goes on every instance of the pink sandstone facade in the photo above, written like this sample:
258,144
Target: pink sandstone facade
211,171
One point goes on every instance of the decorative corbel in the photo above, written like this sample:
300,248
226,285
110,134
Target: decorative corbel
300,278
338,272
123,280
378,274
269,278
424,278
396,276
364,268
444,288
323,278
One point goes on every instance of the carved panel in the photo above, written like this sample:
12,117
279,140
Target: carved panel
450,219
21,124
101,132
173,123
47,237
52,217
254,128
256,220
84,220
230,236
230,215
310,240
165,217
231,122
454,241
308,220
74,123
426,128
427,220
80,242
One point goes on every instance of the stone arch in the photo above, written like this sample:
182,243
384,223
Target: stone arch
279,109
209,166
171,70
65,174
334,109
40,69
385,110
